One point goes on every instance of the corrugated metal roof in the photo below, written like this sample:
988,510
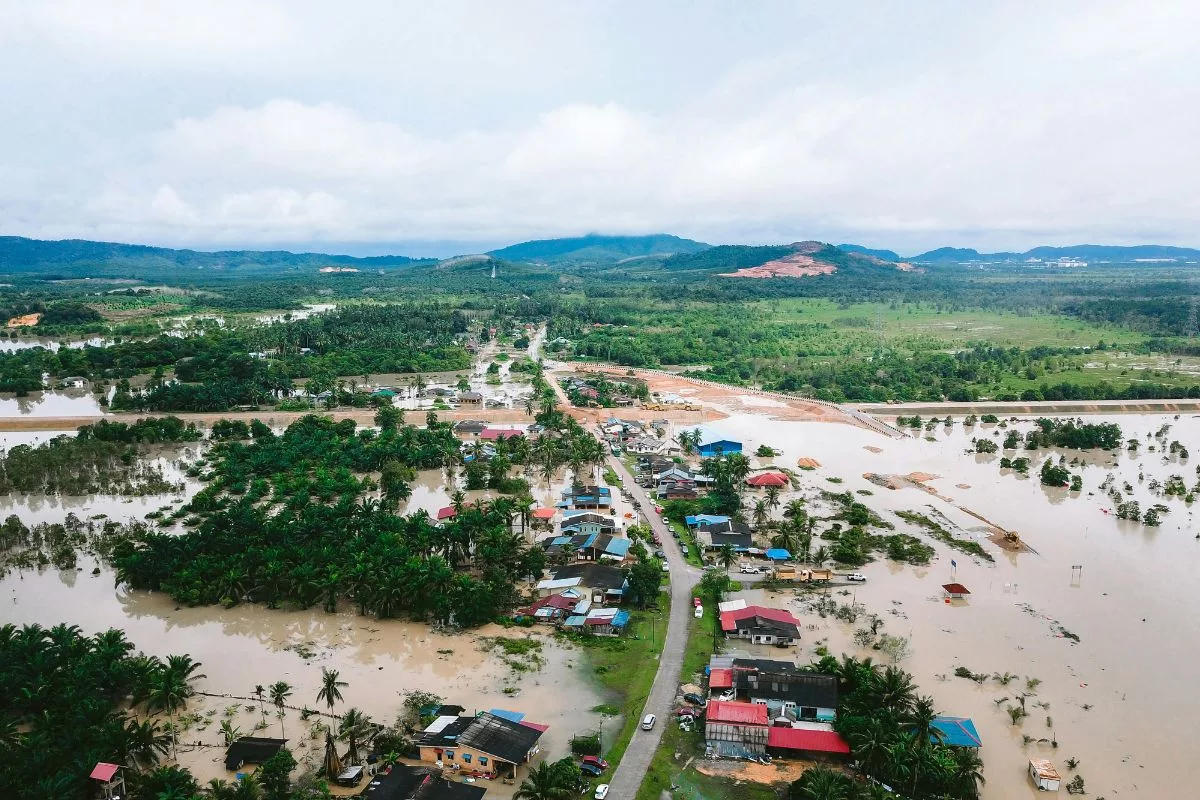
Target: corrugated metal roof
740,713
806,739
720,679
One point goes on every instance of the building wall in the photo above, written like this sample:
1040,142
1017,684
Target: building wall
461,754
751,737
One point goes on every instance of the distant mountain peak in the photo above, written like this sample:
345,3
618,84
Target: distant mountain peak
595,247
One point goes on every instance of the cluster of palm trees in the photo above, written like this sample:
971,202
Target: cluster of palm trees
67,706
892,736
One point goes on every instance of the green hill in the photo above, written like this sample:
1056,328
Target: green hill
81,258
595,248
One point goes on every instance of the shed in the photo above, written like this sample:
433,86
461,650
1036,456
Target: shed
447,512
719,447
251,750
955,591
110,780
544,513
766,480
720,678
1045,776
778,554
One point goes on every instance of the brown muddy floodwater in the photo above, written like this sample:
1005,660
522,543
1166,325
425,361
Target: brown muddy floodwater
249,645
1122,700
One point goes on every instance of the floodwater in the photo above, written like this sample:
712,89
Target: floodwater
13,345
66,403
249,644
1121,700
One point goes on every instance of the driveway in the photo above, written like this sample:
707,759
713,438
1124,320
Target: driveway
632,769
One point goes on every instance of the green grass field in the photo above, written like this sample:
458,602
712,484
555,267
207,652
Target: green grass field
956,328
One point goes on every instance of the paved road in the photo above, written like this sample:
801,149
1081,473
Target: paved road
632,769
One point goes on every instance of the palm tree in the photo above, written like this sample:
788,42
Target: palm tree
144,742
543,783
919,724
171,688
773,497
761,513
872,742
355,728
259,693
280,692
688,440
823,783
230,733
217,789
895,690
331,687
968,771
726,556
786,538
795,509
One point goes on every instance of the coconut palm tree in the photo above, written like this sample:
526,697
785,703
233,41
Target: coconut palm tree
726,556
331,687
968,771
259,694
786,538
280,692
230,733
773,497
543,783
795,509
761,513
895,690
822,783
919,725
354,728
872,742
144,742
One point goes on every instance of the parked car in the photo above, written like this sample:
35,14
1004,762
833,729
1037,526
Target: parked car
648,723
695,699
696,601
729,695
749,569
699,612
595,761
602,791
666,567
658,509
683,549
659,554
857,577
591,769
687,711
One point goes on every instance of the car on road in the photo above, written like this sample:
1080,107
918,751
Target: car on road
749,569
857,577
595,761
658,509
659,554
695,699
683,549
602,791
591,769
666,567
648,722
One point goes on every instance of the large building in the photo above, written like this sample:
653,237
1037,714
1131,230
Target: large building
488,743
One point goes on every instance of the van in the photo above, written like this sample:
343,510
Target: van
648,722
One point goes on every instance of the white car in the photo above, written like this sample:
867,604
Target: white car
699,612
666,567
857,577
748,569
728,696
648,722
602,791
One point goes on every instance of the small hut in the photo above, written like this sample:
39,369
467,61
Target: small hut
955,591
110,780
1045,775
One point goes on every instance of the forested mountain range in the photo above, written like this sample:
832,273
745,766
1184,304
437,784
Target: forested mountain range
597,248
1084,252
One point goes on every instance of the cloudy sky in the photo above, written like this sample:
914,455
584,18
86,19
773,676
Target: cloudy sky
455,126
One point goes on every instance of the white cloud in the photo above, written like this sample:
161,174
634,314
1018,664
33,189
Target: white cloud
906,128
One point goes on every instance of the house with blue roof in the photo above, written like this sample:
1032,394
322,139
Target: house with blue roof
719,447
955,732
704,519
588,522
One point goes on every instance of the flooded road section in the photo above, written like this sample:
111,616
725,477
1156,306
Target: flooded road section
1122,699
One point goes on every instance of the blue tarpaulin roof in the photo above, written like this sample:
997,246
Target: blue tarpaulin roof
778,554
956,732
511,716
618,547
621,619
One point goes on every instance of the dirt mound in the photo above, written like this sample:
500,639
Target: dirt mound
809,259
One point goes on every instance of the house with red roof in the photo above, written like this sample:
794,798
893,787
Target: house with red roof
761,625
736,729
807,741
766,480
493,434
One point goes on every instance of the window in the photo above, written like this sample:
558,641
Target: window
467,757
449,754
483,761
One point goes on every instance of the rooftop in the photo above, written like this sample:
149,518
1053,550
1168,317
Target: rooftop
955,588
807,739
740,713
251,750
956,732
403,782
765,479
502,738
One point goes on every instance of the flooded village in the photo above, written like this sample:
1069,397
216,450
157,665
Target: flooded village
1030,613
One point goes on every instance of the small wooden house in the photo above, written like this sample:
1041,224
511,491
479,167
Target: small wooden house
955,591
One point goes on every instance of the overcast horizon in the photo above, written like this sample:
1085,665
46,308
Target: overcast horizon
460,127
